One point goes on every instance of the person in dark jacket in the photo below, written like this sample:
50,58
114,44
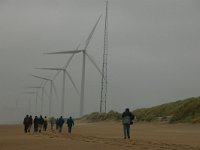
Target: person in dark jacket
26,123
60,123
40,123
30,122
127,119
35,122
57,121
70,123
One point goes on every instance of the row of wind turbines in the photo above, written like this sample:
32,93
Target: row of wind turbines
85,55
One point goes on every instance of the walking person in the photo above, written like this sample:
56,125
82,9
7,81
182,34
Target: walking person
127,120
35,123
30,122
70,123
45,123
40,123
52,122
60,123
26,123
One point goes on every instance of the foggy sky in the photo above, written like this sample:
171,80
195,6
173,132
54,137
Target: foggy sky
153,52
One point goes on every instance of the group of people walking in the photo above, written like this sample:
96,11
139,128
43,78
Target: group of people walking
41,123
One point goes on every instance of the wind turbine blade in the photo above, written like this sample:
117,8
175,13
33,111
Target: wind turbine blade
71,57
69,76
56,93
66,52
45,81
40,77
36,87
91,33
67,64
56,74
50,68
94,63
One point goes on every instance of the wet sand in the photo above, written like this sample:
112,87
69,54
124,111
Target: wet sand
104,136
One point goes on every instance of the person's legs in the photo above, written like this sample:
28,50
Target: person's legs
69,129
40,127
25,130
36,128
44,127
128,130
51,126
60,128
124,128
29,127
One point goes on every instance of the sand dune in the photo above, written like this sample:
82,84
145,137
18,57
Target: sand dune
104,136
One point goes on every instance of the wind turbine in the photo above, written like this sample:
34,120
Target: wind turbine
51,89
29,105
42,99
84,52
30,101
63,92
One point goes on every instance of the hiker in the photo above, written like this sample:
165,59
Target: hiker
35,122
60,123
70,123
30,122
52,122
26,123
127,120
40,123
45,123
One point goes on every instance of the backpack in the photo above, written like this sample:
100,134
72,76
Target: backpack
126,120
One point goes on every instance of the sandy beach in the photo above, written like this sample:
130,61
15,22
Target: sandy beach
104,136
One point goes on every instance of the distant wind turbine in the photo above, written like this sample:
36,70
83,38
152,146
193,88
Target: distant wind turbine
63,92
42,99
52,86
29,102
84,52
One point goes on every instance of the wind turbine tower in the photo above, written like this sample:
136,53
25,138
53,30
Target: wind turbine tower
104,66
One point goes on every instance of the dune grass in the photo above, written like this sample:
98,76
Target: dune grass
181,111
96,116
187,110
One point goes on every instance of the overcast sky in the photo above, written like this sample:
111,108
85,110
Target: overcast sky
153,52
